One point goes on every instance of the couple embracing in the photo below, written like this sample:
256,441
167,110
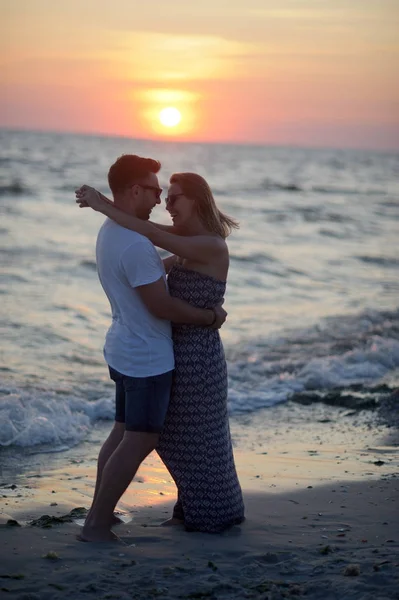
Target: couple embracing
163,347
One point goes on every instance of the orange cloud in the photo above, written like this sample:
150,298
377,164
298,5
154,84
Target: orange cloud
255,72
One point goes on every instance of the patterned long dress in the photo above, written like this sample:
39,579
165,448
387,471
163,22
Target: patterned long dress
195,444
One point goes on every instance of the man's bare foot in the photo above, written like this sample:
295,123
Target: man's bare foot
116,520
95,534
171,522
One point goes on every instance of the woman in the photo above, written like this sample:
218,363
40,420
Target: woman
195,444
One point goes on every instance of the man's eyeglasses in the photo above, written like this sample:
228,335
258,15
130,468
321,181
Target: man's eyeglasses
171,199
157,191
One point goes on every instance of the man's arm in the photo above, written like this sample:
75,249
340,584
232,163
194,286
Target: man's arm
169,262
141,264
162,305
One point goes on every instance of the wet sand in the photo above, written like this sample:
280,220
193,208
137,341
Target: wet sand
321,491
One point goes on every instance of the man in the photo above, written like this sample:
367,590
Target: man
138,346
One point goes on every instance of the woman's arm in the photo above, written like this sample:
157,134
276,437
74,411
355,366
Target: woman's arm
168,228
80,192
200,248
83,191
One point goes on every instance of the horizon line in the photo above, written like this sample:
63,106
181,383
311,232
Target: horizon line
292,145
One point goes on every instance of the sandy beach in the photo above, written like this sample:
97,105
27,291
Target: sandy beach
321,491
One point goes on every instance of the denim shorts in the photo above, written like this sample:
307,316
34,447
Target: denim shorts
141,402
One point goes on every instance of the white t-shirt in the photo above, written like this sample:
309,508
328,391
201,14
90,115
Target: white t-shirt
137,343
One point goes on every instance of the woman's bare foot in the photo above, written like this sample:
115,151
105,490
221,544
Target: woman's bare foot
172,522
96,534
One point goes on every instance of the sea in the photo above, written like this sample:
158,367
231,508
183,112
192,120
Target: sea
313,289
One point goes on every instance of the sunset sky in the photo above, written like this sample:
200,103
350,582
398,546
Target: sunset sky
303,72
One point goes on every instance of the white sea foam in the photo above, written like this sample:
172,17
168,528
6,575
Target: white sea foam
357,366
33,418
30,418
251,390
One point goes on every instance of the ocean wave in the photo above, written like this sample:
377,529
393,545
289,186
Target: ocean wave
347,191
269,184
12,278
390,203
89,264
256,258
33,252
70,187
381,261
33,418
295,188
315,214
340,235
340,352
14,188
82,359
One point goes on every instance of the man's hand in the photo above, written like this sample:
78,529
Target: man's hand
221,316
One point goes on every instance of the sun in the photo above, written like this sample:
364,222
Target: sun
170,116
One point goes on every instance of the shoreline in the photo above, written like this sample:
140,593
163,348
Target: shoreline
321,493
286,447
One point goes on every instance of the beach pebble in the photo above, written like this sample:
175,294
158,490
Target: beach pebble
51,555
90,587
352,571
271,558
318,570
158,591
296,590
12,523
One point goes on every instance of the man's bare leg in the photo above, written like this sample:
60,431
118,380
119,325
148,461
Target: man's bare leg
117,474
108,448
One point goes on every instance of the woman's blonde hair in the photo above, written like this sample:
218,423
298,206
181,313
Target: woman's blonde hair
195,187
